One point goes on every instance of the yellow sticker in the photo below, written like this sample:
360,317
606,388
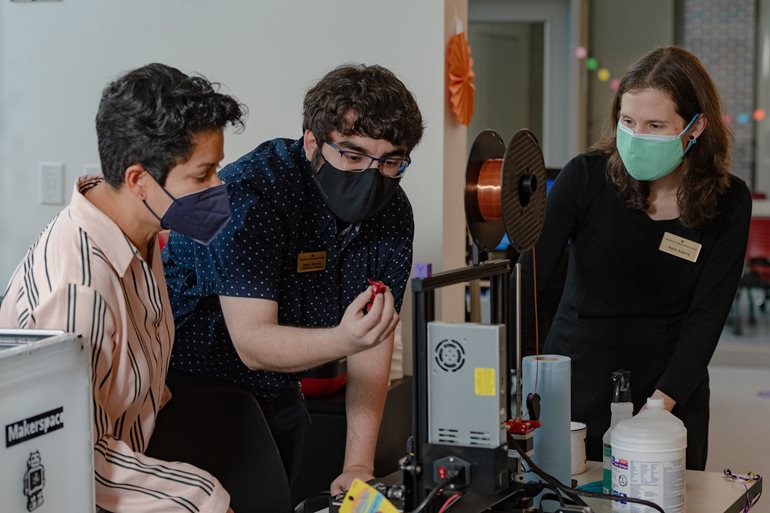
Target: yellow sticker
363,498
484,381
680,247
311,262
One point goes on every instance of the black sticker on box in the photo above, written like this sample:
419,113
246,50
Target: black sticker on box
33,427
34,481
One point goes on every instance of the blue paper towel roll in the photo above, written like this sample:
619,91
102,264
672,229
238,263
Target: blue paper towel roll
552,439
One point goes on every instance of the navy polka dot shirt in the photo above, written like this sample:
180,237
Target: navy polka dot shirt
278,214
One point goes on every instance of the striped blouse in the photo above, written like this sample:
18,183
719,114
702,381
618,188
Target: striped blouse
83,275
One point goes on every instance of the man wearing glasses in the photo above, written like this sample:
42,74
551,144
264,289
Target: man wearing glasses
283,288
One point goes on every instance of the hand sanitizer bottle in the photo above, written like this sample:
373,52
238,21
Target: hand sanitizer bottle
622,408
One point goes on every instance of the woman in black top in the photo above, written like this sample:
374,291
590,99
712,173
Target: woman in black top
656,228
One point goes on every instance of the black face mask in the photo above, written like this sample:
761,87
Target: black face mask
354,196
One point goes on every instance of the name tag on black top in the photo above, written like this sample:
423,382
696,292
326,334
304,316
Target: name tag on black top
680,247
311,262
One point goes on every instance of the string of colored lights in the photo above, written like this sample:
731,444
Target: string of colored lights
604,75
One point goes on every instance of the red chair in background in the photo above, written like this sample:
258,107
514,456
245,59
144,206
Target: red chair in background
756,273
758,255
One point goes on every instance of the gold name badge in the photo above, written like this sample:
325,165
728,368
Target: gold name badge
311,262
680,247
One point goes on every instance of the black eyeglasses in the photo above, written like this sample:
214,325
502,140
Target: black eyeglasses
390,167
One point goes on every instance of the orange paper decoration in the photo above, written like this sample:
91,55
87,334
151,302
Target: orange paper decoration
461,77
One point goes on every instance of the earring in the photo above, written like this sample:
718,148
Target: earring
692,137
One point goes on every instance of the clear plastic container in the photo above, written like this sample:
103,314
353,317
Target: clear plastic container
648,460
620,412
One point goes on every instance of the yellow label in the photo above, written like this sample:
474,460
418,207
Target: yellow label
363,498
484,381
680,247
311,262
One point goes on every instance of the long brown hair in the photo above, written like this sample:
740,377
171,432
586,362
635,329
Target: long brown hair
680,74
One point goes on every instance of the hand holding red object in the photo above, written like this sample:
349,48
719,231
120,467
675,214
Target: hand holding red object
378,288
360,330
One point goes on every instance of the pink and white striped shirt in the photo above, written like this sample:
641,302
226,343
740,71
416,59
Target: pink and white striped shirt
83,275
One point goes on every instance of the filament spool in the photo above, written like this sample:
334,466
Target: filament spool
489,188
523,192
486,229
505,190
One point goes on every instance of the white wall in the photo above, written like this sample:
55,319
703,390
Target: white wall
563,92
621,32
55,58
508,61
451,300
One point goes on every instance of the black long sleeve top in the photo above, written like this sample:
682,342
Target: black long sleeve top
617,272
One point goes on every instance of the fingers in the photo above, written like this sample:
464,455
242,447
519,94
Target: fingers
362,299
390,321
389,300
338,486
345,480
393,323
367,330
388,318
373,317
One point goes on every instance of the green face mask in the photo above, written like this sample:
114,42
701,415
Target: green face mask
648,157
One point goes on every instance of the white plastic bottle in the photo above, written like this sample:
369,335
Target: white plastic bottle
621,394
620,411
648,460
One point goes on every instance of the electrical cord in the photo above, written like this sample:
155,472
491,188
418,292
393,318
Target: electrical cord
574,492
313,503
556,492
450,502
537,318
447,480
534,489
554,484
748,503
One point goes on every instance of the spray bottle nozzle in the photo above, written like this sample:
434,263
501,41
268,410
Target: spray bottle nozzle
621,386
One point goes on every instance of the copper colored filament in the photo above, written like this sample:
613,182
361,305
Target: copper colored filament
489,189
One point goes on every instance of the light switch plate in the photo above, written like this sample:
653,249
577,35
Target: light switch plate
51,183
92,169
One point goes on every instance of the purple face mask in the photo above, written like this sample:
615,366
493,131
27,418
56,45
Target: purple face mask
200,215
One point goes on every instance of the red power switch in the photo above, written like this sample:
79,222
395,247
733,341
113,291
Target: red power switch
442,472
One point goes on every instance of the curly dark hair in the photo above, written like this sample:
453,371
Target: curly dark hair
150,115
706,177
381,106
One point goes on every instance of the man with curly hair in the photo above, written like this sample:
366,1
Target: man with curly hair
283,288
96,271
